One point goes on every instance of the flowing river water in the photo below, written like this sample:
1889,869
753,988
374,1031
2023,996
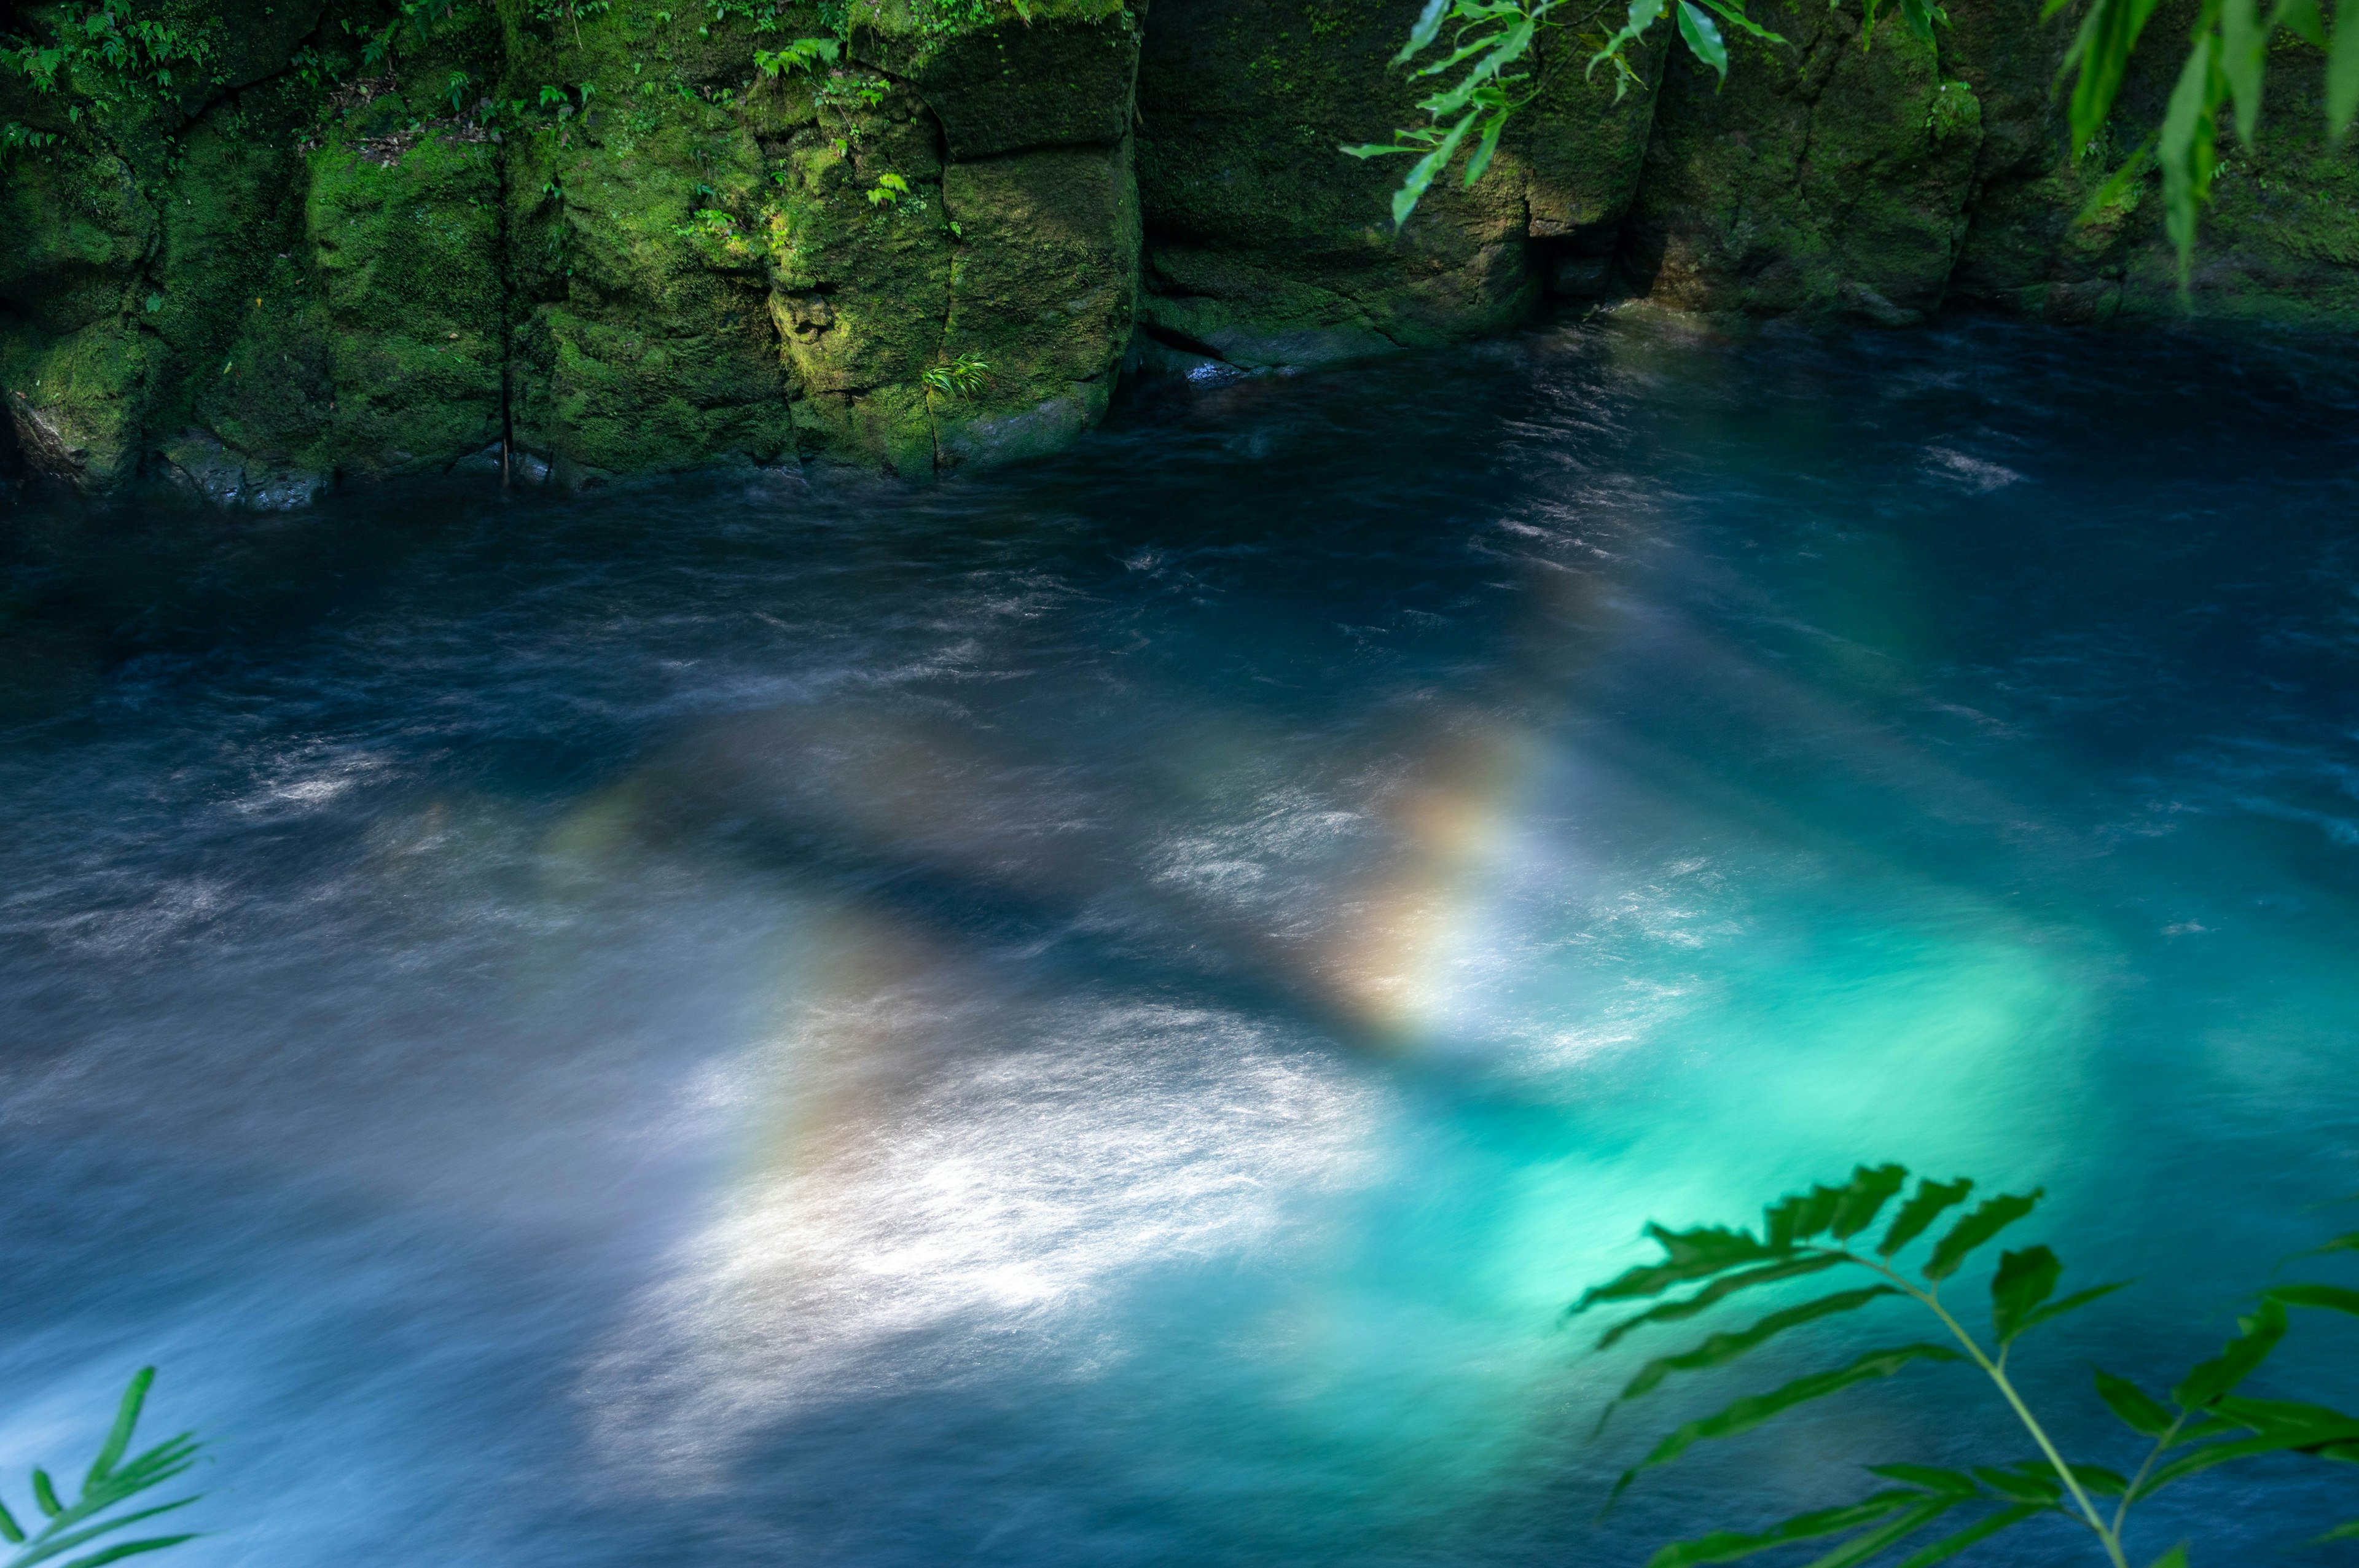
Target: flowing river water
1095,1015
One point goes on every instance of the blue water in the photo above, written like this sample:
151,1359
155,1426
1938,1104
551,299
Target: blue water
1094,1015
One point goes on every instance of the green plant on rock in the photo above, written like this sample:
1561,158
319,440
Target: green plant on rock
2202,1424
961,377
888,190
111,1480
801,54
1494,49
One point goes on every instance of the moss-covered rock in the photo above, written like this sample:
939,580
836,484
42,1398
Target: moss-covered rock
1824,178
1266,245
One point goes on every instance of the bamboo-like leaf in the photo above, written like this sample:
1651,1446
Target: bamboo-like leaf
1973,1535
1932,1477
1719,1290
1730,1546
46,1546
1925,1207
1405,199
1748,1414
1702,35
1643,15
2342,91
2024,1280
2244,57
2101,54
2020,1486
2184,147
2174,1558
1737,17
2339,1244
1887,1535
2195,1461
45,1493
1992,1215
10,1531
1429,24
126,1417
2340,1532
1486,146
1688,1255
2303,19
2331,1298
128,1549
1720,1350
2286,1415
2237,1360
2072,1302
2139,1412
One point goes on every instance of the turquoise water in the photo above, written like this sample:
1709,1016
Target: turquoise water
1096,1015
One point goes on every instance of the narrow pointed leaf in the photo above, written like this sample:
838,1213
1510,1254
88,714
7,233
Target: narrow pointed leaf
1886,1536
2303,18
2342,85
2244,56
1972,1536
2339,1244
10,1531
2174,1558
1752,1412
1993,1216
2019,1486
2237,1360
1730,1546
2340,1532
2332,1298
2195,1461
1719,1290
2139,1412
128,1549
1702,35
1688,1255
1485,148
1924,1207
2024,1280
45,1493
46,1546
1429,24
2102,52
2072,1302
1405,199
1738,20
1932,1477
1720,1350
126,1417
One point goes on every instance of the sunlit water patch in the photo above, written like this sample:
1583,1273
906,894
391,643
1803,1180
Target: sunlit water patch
1098,1014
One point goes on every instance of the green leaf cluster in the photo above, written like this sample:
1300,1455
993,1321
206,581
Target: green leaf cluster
2223,79
1931,1234
111,1480
961,377
1492,63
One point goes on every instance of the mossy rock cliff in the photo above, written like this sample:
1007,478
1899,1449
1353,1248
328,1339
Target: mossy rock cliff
583,239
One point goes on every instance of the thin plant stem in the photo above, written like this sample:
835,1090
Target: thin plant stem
1997,1373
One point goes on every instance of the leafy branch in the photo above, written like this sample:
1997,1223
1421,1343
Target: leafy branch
111,1480
1492,46
2204,1423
